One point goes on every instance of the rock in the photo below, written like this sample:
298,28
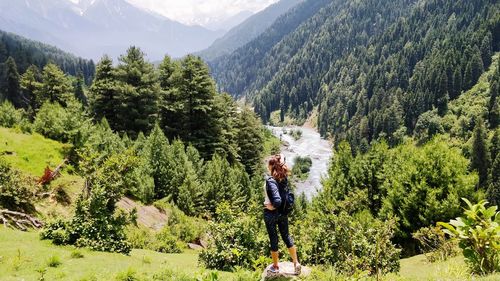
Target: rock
203,243
287,272
195,247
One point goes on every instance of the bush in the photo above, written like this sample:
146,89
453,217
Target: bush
434,245
54,261
301,166
14,191
77,255
9,115
478,233
236,240
353,245
128,275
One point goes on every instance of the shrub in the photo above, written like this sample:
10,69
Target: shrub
301,166
9,115
77,255
236,240
96,224
128,275
347,243
54,261
14,191
166,242
478,233
434,245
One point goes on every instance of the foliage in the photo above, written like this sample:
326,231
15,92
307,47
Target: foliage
236,240
350,240
15,193
478,233
54,261
434,245
301,166
9,116
65,124
399,183
95,223
480,153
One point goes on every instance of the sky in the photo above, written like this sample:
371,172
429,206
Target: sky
202,12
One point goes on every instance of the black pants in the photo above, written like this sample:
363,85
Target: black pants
273,220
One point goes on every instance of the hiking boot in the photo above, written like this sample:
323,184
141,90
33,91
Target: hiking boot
273,271
298,269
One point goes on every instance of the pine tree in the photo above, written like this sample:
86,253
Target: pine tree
494,186
30,85
102,95
250,141
486,50
190,192
138,93
55,86
480,156
225,112
156,147
78,89
12,85
474,69
494,105
172,115
198,91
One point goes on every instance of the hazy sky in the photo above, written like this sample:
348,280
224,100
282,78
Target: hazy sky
201,11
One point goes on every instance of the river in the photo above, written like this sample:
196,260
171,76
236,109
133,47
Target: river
310,144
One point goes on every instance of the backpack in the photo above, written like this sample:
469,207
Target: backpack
287,197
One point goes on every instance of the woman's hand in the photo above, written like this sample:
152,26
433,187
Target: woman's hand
269,206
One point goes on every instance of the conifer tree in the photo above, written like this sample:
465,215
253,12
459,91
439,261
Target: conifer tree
30,85
78,89
480,156
156,147
55,86
494,105
474,69
171,103
102,97
138,92
198,91
249,138
12,84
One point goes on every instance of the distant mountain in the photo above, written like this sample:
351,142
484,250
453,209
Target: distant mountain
229,23
91,28
247,30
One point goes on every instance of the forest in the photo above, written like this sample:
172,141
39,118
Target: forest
409,101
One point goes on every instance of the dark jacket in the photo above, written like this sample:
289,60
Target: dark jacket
276,191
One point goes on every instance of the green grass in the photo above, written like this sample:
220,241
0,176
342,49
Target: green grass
418,269
30,153
24,256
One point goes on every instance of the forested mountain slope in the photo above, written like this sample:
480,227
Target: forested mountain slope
236,72
27,52
372,67
247,30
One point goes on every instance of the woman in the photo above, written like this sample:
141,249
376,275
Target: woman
273,217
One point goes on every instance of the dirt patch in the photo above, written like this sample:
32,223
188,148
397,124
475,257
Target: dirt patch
148,216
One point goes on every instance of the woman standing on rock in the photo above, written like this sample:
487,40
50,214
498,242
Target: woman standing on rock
277,206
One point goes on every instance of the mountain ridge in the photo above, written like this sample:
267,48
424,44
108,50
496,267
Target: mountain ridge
94,28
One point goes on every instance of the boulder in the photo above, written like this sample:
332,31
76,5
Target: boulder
195,246
287,272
